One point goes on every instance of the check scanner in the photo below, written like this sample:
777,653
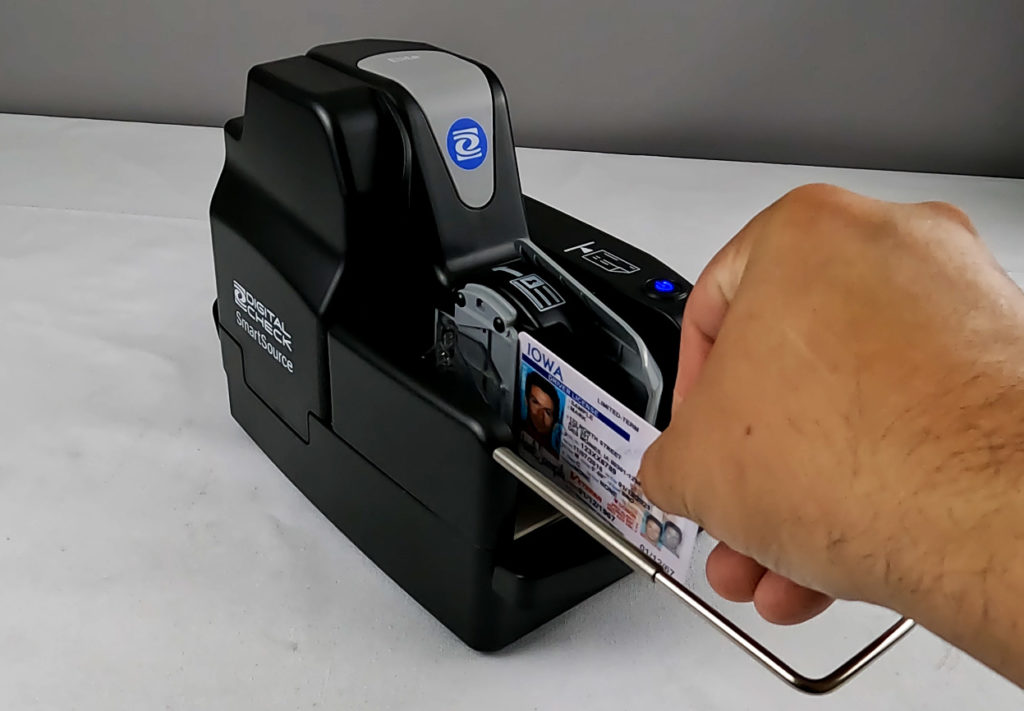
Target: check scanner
375,263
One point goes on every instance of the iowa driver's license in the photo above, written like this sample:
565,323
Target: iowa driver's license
591,446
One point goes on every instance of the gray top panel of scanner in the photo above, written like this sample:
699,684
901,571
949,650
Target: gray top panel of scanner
447,89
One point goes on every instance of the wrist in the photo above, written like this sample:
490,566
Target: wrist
956,542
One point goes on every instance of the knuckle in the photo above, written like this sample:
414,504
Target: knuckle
815,195
950,213
815,203
805,214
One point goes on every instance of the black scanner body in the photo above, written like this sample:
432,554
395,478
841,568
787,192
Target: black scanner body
347,239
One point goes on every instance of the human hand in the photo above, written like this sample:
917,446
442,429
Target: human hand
833,356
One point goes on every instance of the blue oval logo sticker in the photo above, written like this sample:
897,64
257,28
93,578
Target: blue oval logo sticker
467,144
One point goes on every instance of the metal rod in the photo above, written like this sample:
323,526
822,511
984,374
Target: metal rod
811,685
610,539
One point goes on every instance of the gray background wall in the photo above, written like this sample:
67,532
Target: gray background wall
933,85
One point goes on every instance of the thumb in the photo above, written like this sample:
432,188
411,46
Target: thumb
668,468
670,471
707,307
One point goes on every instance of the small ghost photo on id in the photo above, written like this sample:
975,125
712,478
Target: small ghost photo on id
671,537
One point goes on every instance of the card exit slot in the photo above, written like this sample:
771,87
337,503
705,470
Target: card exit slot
533,514
617,545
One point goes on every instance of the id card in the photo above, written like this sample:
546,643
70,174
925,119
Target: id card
591,445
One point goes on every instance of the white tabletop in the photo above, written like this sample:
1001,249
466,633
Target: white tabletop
151,557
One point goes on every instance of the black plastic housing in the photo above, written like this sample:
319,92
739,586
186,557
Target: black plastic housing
336,236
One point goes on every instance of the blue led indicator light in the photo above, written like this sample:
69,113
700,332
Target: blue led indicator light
664,286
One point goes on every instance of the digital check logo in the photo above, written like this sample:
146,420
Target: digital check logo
467,144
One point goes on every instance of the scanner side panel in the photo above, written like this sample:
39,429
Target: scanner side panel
409,543
288,146
278,227
487,597
282,341
429,433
